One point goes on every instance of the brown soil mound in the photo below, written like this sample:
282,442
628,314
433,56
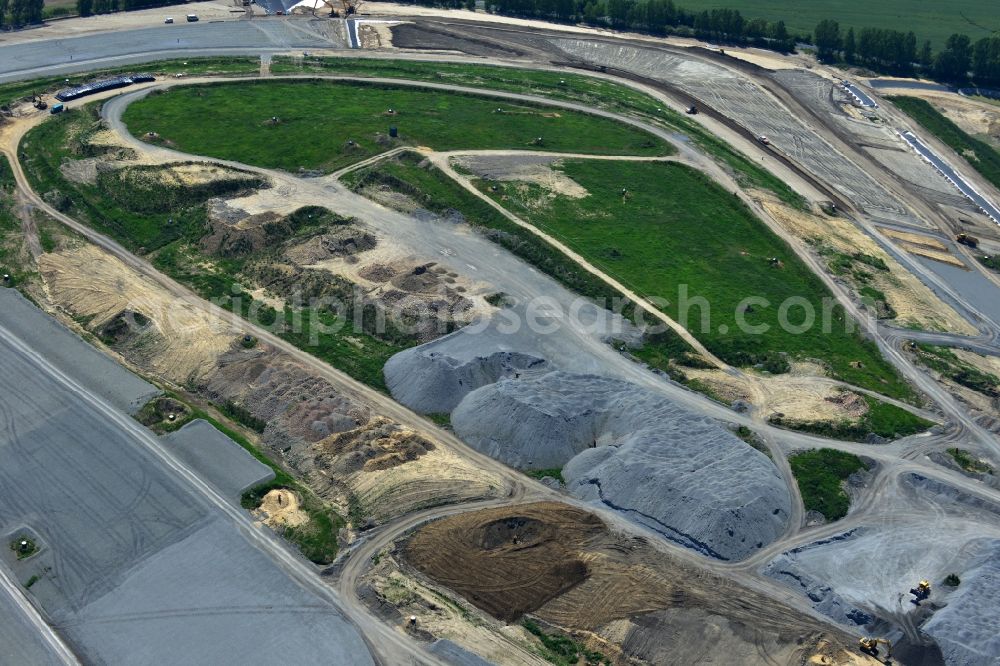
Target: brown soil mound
377,445
636,603
506,561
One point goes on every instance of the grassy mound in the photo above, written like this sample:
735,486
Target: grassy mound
673,230
323,125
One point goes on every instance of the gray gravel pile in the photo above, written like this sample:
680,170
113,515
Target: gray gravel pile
790,571
966,629
682,475
429,381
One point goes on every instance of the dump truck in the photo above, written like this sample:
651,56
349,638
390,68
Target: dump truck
966,239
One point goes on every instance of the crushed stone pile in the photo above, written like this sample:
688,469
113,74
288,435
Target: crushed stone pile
429,381
683,475
966,629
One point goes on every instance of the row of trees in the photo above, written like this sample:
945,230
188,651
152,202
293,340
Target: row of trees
896,52
656,17
20,12
882,50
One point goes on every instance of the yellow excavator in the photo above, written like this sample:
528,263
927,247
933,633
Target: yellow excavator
869,646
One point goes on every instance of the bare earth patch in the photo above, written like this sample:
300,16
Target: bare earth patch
280,508
915,304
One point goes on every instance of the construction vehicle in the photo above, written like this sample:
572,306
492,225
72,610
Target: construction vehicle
966,239
38,102
342,7
921,591
869,646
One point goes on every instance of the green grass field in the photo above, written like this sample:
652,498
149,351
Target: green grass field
674,228
929,20
318,120
579,88
820,474
981,156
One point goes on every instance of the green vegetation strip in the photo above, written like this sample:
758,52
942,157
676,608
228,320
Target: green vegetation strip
562,650
968,462
324,125
10,229
674,229
949,365
881,419
581,89
552,472
820,474
980,155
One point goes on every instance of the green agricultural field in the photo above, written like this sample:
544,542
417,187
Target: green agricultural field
820,474
929,20
980,155
673,229
578,88
325,125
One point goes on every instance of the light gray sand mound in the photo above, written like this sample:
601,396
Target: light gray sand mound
682,475
966,629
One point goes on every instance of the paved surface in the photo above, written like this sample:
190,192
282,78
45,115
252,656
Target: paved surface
59,56
20,640
953,177
136,565
99,373
218,459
